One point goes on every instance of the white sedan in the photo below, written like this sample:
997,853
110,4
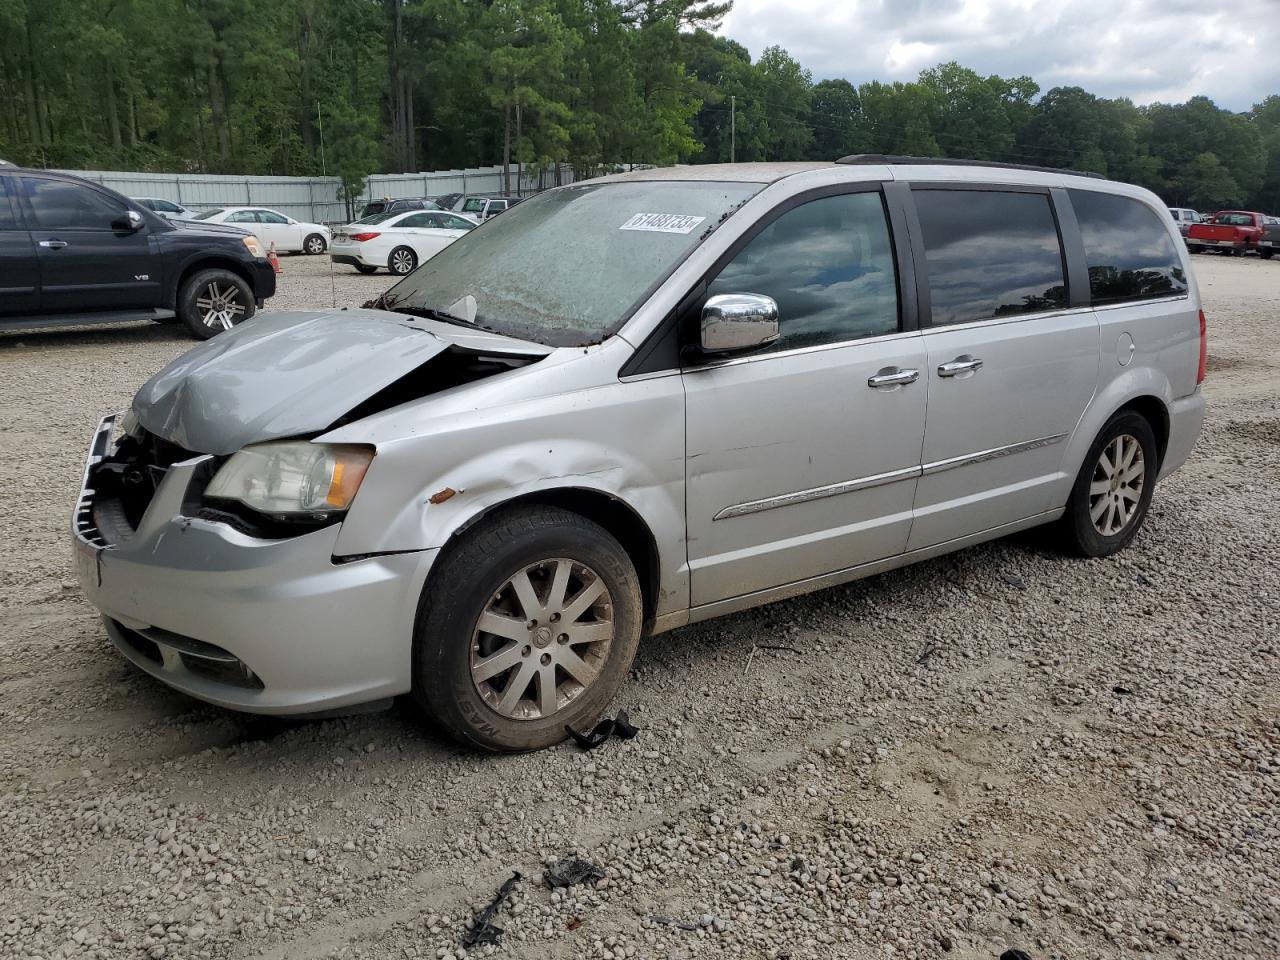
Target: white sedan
272,226
397,241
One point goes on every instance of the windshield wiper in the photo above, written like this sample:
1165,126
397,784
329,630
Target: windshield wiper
431,313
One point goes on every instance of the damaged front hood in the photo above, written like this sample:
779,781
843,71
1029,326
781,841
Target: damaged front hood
289,374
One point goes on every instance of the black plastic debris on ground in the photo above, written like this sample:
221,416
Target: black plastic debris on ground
484,930
1013,580
618,727
1015,955
565,873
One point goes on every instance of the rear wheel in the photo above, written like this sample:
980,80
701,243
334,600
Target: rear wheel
214,300
314,244
402,261
1266,254
1113,490
529,625
1195,248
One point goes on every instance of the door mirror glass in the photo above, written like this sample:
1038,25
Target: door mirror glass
738,321
130,222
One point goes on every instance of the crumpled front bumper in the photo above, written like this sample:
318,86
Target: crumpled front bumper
266,626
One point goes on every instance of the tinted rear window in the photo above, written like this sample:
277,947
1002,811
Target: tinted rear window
1130,254
990,254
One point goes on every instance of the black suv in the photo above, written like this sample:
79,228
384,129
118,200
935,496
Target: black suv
397,205
72,251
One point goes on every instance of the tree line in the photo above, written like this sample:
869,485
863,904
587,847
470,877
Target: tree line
353,87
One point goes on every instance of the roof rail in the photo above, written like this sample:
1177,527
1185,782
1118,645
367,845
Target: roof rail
893,159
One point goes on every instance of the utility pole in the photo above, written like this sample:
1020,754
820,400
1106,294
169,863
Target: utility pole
320,122
733,128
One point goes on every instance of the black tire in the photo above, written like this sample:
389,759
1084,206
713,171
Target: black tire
365,268
1195,248
314,245
473,576
402,261
205,288
1078,533
1266,254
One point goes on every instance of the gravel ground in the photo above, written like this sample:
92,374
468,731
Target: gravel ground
996,749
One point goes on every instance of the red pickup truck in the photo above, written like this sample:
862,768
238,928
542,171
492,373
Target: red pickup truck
1232,231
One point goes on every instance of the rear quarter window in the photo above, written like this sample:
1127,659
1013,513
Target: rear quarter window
8,221
1130,254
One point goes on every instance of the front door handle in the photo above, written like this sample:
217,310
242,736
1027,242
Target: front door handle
893,377
961,364
53,244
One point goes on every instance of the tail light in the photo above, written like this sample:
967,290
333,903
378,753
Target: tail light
362,237
1204,350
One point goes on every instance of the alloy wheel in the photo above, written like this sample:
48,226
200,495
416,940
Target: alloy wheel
402,262
542,639
315,245
1116,488
219,305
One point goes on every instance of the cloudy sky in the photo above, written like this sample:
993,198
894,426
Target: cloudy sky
1165,50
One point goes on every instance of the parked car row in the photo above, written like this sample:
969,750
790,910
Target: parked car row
1235,232
477,206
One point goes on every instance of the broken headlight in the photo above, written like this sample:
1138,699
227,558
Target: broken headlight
293,480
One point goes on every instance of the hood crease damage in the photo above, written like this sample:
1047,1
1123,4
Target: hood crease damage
290,374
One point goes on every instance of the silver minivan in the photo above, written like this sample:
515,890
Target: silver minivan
634,403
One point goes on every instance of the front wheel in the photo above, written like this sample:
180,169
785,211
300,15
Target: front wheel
402,261
1113,489
529,625
214,300
314,244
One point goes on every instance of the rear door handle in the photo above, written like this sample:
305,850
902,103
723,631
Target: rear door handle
893,377
53,244
961,364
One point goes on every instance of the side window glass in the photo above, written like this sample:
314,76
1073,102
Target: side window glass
416,220
242,216
473,206
61,205
829,265
270,216
990,253
8,220
1129,253
457,223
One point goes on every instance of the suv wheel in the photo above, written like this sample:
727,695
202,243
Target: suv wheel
314,244
402,261
1113,489
214,300
529,625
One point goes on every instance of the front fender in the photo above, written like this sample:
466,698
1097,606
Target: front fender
624,440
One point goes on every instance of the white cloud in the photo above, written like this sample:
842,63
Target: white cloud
1148,50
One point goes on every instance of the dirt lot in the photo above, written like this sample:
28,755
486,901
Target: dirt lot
996,749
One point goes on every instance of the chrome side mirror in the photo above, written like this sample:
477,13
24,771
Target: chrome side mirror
131,222
738,321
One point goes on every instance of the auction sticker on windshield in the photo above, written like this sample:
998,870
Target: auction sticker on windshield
662,222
